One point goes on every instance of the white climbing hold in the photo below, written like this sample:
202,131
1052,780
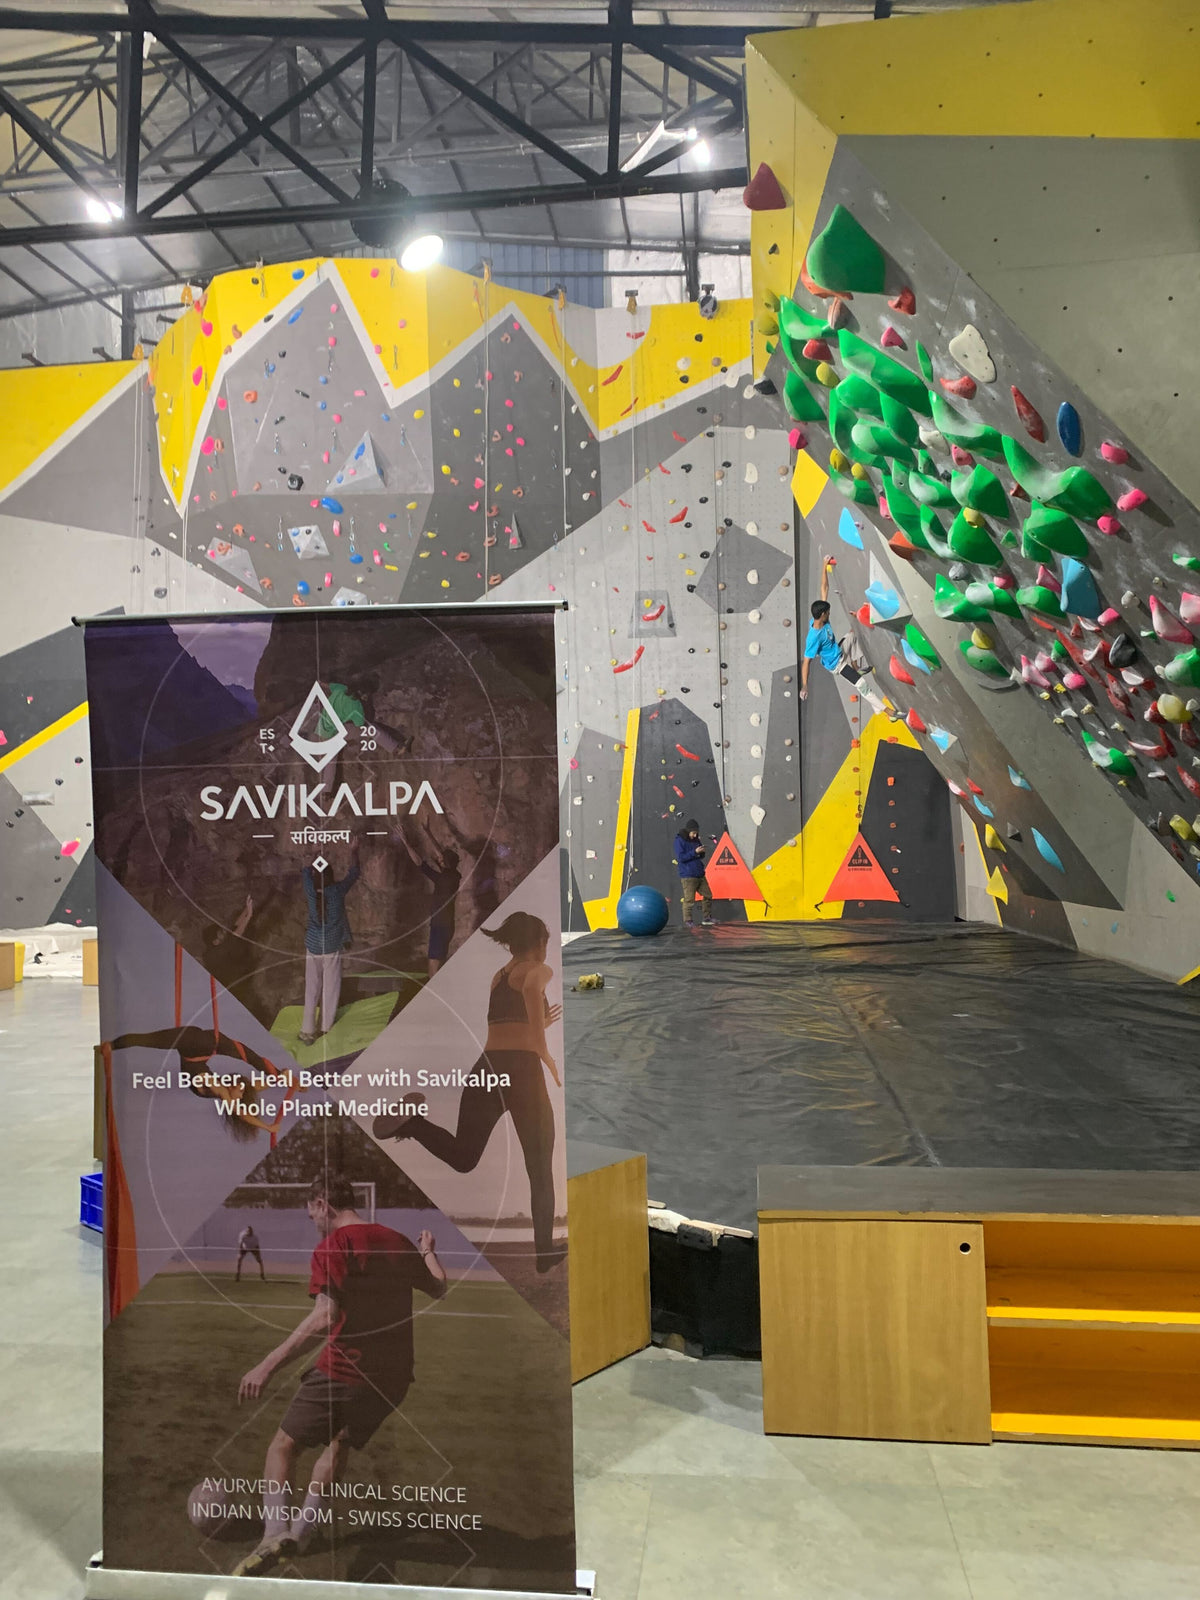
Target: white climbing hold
754,687
754,616
751,475
756,815
751,430
683,363
970,350
754,647
933,440
752,529
756,781
756,719
752,575
756,751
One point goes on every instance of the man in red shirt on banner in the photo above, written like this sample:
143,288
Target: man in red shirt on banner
362,1281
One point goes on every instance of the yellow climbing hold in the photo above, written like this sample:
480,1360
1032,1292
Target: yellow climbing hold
857,470
975,518
838,461
445,583
993,840
981,639
1182,827
826,375
445,469
417,415
411,506
997,887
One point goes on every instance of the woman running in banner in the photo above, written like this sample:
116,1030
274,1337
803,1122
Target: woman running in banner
518,1016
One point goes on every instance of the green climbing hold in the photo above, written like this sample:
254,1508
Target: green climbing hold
842,423
843,256
929,490
793,351
1170,897
1059,651
1190,563
799,401
925,362
857,489
933,534
952,605
900,420
1036,597
983,660
876,438
1008,537
1183,668
859,395
797,323
993,597
1034,550
970,543
887,375
957,429
1050,529
1108,759
921,645
903,510
982,490
1075,490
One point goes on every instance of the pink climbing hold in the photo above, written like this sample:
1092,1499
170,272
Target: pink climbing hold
961,457
3,737
70,847
332,340
883,505
1108,524
818,350
1047,580
1132,499
905,302
1074,680
915,722
337,416
198,376
1166,624
221,403
1031,675
1189,608
797,439
1116,453
963,387
1004,580
899,671
1043,661
890,339
1031,417
208,445
1108,616
329,580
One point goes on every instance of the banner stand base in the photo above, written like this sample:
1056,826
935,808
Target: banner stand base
109,1583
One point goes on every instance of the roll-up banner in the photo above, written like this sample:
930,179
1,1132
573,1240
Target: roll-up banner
336,1345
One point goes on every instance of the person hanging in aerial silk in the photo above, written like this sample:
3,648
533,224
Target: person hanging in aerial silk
516,1049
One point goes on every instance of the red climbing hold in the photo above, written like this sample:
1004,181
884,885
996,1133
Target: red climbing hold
961,457
974,787
860,877
914,721
964,387
686,754
679,438
899,671
763,192
653,616
818,350
624,666
613,376
1031,417
1192,785
679,515
902,545
648,527
891,340
864,614
905,302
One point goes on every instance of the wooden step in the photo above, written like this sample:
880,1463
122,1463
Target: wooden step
1090,1406
1039,1298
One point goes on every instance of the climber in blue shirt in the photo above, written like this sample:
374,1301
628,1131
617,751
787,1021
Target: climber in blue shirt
835,655
689,859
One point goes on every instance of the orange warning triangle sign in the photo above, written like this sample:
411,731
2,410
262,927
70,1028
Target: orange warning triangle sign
860,877
728,876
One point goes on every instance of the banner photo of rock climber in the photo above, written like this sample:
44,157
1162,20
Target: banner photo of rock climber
336,1343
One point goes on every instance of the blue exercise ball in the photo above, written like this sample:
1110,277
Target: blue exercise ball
642,911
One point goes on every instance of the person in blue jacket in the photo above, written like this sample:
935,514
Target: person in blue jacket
689,858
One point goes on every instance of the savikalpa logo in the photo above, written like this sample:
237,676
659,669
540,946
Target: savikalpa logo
318,752
310,800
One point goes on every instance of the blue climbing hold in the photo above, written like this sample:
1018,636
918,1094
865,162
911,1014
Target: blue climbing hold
1047,851
942,737
340,478
301,587
984,811
1017,779
642,911
883,600
296,315
914,660
330,504
360,452
320,405
1069,429
1079,593
270,368
297,272
355,559
848,530
385,416
322,380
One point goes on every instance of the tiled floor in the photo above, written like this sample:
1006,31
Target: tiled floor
680,1496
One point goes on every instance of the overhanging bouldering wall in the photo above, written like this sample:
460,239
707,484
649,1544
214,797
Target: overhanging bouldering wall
1017,561
347,433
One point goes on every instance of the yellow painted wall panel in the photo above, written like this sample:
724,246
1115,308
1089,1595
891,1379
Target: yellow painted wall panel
39,404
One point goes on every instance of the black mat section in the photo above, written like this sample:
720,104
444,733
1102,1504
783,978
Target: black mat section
718,1050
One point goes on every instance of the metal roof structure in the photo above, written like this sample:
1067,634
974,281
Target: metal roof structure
145,144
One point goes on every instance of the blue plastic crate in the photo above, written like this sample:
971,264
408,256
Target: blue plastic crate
91,1201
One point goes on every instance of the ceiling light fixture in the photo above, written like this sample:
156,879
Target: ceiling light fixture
701,154
421,251
102,210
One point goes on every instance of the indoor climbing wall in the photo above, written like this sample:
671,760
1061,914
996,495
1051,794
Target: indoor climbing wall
1018,570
